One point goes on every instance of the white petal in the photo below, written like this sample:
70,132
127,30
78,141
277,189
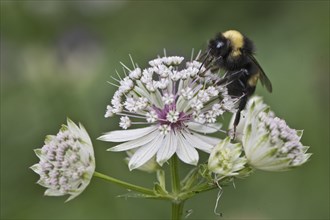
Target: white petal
211,140
206,129
36,168
198,143
73,195
53,192
72,126
84,135
281,164
157,99
166,151
181,103
126,135
186,152
140,89
135,143
145,153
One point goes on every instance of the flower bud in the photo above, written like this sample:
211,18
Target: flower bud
225,159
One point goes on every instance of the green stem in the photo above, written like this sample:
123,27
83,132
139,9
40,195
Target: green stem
177,209
175,175
125,184
177,204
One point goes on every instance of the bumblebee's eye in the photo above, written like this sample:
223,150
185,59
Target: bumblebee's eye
219,44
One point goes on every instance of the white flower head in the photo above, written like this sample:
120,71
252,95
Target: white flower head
269,143
180,107
226,160
67,161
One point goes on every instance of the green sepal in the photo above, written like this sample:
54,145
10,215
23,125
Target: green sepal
159,191
300,133
161,179
65,127
205,173
191,178
49,138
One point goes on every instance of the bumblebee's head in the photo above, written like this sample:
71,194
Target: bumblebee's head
219,46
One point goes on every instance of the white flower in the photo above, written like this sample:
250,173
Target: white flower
135,74
109,112
225,159
269,144
168,98
125,122
67,161
180,109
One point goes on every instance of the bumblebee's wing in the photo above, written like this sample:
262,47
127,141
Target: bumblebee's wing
262,76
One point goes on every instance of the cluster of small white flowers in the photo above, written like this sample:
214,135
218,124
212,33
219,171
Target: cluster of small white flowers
143,91
66,161
290,145
135,74
168,98
169,61
151,116
125,122
180,106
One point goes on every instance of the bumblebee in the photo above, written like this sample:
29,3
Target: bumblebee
233,52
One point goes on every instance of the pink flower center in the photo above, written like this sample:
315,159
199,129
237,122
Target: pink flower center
177,121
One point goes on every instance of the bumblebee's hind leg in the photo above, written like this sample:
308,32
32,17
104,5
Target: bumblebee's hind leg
241,106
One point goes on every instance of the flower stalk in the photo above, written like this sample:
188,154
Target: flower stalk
177,204
177,210
175,175
125,184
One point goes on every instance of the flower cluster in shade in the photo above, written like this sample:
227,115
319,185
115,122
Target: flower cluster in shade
67,161
269,143
178,107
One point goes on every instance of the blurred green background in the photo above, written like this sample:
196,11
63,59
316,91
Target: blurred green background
56,57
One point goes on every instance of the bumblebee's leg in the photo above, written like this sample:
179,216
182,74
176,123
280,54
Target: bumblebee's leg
241,106
232,76
207,61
